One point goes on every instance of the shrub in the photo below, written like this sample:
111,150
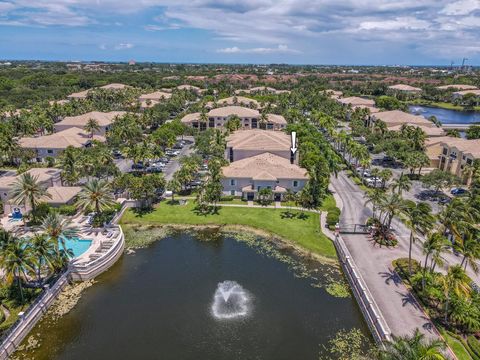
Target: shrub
333,216
227,198
474,345
68,210
401,266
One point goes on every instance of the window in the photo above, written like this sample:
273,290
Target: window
295,183
232,192
49,151
254,123
232,182
445,151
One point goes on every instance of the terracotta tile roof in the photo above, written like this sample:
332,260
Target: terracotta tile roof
355,101
394,117
156,95
60,140
465,92
241,100
264,166
256,139
42,175
277,119
188,87
372,109
471,147
404,87
428,130
115,86
191,117
233,110
62,194
79,95
104,119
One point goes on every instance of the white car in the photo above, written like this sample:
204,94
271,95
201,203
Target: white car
372,181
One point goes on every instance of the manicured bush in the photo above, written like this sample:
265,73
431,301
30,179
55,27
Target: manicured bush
68,210
227,198
401,266
333,217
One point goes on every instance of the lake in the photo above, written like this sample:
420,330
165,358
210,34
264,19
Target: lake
171,301
446,116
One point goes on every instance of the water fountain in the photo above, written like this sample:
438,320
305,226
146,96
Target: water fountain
230,301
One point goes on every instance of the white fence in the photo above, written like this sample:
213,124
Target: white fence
29,318
371,312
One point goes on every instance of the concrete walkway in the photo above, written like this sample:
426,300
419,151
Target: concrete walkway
402,313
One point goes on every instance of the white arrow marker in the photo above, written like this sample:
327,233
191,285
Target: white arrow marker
294,142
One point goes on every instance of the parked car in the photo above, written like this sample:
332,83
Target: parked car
373,181
138,166
458,191
117,154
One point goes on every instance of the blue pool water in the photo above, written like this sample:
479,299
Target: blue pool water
78,246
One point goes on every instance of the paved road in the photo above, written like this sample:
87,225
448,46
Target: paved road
174,164
400,310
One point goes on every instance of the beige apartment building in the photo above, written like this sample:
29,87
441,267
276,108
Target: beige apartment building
249,143
104,120
52,145
249,119
395,119
248,176
456,154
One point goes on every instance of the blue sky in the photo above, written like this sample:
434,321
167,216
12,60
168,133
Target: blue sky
417,32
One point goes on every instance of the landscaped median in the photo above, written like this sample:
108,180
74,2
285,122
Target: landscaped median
301,229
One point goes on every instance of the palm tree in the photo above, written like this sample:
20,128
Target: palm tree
69,162
413,348
43,249
455,281
263,119
15,260
92,126
375,197
385,175
96,194
401,184
419,220
434,245
28,191
391,206
470,249
58,227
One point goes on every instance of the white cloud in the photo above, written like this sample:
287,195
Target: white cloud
162,28
461,7
123,46
258,50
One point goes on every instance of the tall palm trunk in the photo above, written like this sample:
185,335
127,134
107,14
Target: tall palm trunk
410,254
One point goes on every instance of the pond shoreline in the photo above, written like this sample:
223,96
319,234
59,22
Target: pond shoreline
282,243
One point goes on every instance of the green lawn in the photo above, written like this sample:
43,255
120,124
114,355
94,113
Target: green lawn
301,231
460,352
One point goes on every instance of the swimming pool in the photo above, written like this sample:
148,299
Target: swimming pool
77,245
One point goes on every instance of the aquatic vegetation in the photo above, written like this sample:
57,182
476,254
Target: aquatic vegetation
347,345
137,237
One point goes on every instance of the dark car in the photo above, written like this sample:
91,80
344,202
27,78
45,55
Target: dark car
458,191
138,166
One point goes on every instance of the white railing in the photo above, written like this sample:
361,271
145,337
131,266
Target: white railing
371,312
27,320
